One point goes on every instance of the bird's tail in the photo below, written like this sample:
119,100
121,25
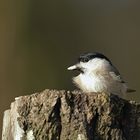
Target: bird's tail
131,90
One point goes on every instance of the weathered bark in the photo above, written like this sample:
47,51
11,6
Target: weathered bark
64,115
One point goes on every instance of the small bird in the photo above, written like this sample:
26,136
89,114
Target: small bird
98,74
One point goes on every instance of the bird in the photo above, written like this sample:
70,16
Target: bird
97,74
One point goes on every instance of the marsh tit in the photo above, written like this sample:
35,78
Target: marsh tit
98,74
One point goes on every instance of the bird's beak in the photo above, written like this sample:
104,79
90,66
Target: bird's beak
75,67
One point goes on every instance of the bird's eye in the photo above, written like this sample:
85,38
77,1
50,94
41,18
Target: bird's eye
85,60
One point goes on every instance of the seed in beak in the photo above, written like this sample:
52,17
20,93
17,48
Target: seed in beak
74,67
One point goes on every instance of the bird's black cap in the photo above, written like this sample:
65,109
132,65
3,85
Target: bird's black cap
88,56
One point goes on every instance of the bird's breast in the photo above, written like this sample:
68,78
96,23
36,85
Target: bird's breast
91,82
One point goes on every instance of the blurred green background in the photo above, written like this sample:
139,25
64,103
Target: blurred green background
40,39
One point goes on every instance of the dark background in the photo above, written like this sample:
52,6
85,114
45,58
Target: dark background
40,39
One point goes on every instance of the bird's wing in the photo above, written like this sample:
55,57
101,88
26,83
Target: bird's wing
116,75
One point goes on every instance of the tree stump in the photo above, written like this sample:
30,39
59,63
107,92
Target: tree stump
65,115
